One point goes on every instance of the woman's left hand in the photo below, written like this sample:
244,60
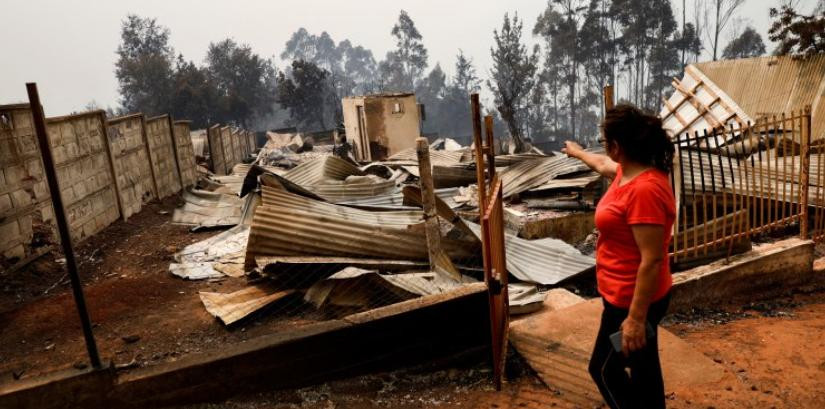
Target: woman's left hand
633,335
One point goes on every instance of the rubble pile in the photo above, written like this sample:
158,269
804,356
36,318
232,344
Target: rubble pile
313,226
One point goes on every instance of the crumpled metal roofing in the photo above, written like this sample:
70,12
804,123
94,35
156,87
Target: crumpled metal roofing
437,157
337,180
396,200
286,224
198,260
208,209
530,174
772,85
541,261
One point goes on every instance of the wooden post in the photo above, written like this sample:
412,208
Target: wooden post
805,176
62,222
439,261
608,97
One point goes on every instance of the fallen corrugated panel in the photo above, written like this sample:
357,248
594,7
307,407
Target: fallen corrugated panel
290,225
524,298
396,201
437,157
233,307
337,180
533,173
197,261
382,264
578,182
512,159
357,288
541,261
208,209
321,170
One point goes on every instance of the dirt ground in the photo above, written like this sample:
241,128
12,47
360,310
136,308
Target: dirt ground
773,352
141,314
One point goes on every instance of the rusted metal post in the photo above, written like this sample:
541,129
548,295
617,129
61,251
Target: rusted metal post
479,150
62,223
490,148
439,261
805,176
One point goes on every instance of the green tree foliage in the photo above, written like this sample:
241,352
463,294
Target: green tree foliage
304,93
144,66
512,76
798,35
746,45
432,91
403,67
236,86
193,95
351,69
243,80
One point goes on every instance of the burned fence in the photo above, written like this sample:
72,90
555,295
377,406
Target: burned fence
737,182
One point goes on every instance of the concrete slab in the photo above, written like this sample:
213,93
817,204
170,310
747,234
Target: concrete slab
557,345
766,271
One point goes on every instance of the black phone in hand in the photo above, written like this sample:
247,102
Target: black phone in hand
616,337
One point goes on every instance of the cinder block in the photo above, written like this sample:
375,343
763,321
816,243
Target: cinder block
5,203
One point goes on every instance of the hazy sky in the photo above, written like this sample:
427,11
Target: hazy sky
68,47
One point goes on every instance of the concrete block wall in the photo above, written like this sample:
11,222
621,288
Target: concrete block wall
185,153
130,156
25,207
84,172
162,153
250,136
240,151
228,150
215,142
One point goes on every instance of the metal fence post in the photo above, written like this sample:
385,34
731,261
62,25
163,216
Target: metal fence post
805,176
62,223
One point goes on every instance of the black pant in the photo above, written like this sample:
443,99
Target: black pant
640,388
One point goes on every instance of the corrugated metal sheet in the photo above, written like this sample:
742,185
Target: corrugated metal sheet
770,86
541,261
233,307
208,209
337,180
530,174
697,105
437,157
355,287
290,225
396,200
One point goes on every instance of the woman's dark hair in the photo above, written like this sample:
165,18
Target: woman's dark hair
640,135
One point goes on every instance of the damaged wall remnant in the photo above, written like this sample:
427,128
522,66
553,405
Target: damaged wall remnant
130,157
85,172
185,153
216,155
378,126
228,150
25,209
162,151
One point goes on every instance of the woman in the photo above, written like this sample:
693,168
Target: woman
634,218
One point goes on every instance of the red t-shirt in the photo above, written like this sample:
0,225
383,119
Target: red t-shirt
646,199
